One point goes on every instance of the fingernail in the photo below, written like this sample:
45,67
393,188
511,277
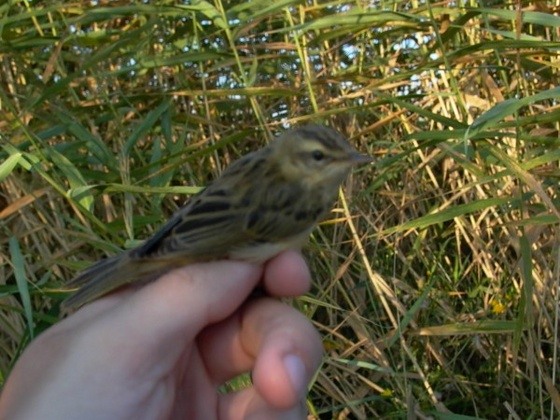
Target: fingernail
297,373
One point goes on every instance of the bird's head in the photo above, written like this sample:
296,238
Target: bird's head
316,155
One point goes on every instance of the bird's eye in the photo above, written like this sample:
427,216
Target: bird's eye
318,155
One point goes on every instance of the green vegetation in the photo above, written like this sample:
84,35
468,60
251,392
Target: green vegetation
436,279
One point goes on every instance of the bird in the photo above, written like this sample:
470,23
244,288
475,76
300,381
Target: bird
264,203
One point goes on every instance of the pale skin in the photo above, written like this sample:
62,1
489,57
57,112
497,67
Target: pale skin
161,351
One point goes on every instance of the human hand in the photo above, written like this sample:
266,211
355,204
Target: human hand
161,351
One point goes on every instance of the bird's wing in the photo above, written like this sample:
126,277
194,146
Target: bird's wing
218,222
196,231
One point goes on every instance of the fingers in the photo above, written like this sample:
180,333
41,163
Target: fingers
287,275
162,320
246,405
161,317
289,351
186,300
277,342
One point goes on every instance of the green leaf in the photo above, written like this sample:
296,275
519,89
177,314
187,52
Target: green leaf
449,214
144,127
208,10
507,108
18,265
73,175
9,164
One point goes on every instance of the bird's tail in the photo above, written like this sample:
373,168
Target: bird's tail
93,282
108,275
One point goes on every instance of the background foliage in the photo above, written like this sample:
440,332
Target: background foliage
436,278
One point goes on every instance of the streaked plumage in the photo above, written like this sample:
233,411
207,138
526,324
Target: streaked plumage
264,203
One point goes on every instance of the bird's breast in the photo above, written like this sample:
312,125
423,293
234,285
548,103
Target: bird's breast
261,251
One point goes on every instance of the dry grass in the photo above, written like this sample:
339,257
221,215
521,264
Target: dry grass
437,277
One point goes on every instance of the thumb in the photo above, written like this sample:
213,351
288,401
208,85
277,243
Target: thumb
188,299
165,315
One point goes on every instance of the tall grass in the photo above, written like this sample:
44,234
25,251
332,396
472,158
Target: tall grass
437,275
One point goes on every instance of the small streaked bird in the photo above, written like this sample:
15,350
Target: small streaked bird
262,204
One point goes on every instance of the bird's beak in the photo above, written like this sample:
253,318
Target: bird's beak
359,159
